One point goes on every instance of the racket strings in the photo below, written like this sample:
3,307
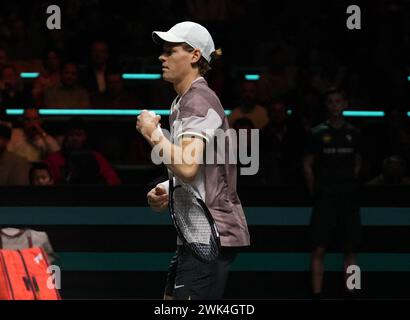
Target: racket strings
194,225
191,218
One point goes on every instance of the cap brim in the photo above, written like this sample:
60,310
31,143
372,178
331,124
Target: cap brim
160,37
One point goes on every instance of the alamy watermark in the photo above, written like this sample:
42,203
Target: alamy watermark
354,279
54,20
222,147
54,280
354,21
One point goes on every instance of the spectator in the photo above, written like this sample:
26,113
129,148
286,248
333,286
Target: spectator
277,126
76,140
281,147
21,45
68,94
12,93
332,164
40,175
13,168
83,168
249,107
94,77
394,170
49,78
309,109
139,151
275,83
31,141
115,96
61,41
384,139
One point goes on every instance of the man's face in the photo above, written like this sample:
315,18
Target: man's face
10,78
69,76
176,62
114,84
99,53
31,120
41,177
53,61
335,104
248,92
76,139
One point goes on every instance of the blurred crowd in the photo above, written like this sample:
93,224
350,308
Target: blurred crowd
299,52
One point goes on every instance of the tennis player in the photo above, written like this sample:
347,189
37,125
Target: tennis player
188,49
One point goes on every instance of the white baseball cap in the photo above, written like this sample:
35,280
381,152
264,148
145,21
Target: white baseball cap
191,33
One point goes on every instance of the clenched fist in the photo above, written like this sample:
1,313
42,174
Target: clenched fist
158,198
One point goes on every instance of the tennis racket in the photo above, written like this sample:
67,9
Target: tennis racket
193,222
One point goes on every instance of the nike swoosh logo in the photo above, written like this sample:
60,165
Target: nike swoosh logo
180,286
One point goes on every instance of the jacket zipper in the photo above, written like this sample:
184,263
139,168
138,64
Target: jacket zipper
28,275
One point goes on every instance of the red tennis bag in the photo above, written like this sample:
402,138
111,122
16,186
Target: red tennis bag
24,275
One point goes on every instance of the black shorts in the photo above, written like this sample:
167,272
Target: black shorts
336,216
190,279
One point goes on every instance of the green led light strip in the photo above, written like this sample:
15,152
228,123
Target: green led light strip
141,76
92,112
29,75
161,112
134,76
252,77
348,113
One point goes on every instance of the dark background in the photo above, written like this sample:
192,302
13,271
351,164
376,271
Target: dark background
304,44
